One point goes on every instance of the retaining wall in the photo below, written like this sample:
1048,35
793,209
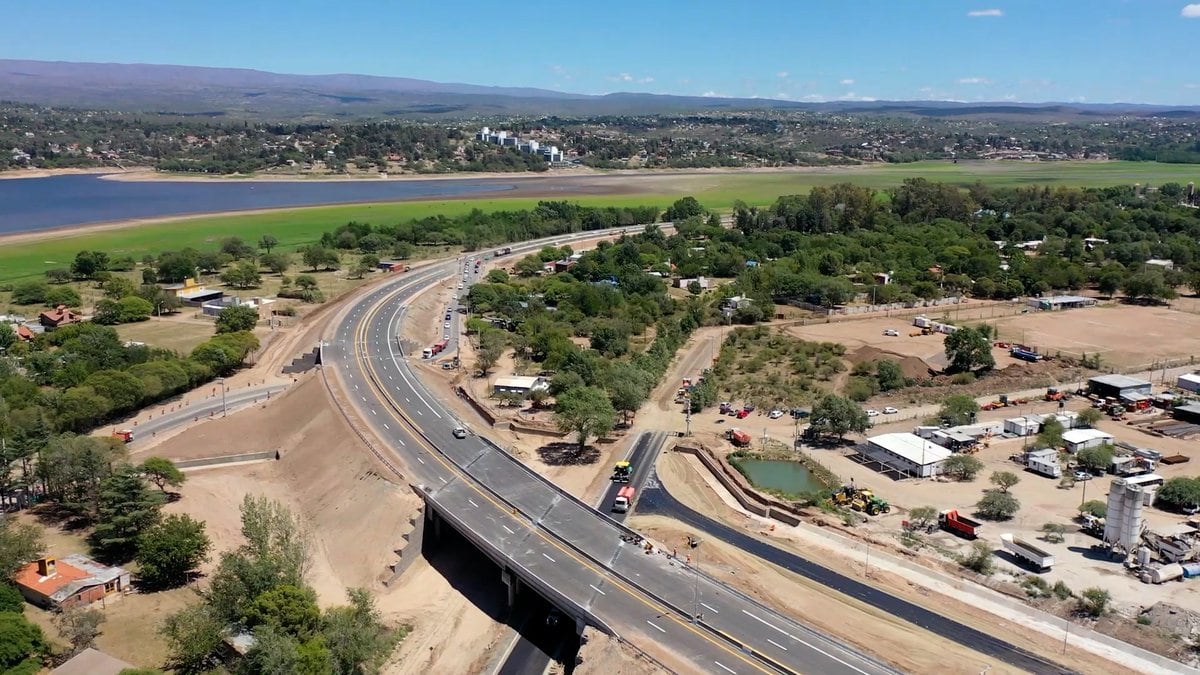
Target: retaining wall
476,405
227,459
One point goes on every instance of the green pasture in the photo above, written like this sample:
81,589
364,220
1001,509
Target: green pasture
296,227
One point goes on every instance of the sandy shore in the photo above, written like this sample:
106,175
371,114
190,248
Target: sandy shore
104,171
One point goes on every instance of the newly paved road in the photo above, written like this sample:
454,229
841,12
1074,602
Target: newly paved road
235,399
570,551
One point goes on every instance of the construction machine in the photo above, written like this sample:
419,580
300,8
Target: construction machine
622,471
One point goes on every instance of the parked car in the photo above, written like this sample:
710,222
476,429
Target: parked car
1083,475
872,413
775,414
891,332
749,407
743,414
460,432
890,410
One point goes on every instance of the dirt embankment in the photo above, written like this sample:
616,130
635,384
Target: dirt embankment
356,512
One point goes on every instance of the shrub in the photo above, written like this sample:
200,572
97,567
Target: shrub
1053,532
962,378
1061,590
1094,507
979,559
1035,586
1093,602
997,506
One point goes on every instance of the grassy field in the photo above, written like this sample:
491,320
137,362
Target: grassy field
296,227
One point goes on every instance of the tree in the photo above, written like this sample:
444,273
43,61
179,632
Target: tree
1149,284
958,409
116,288
1096,459
980,559
194,636
837,415
162,472
79,626
1004,479
1088,417
267,242
170,549
997,506
276,552
922,516
30,293
275,653
682,209
492,342
11,599
1180,493
127,508
21,643
890,375
8,337
1094,507
276,263
237,318
235,248
62,295
19,543
1093,602
969,349
319,257
962,467
1050,435
496,275
292,610
242,275
357,638
586,412
88,263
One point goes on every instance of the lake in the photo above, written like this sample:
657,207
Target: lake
28,204
778,474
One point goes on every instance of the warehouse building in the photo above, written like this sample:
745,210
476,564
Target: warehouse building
1188,382
907,454
1057,302
517,384
1078,439
1188,413
1116,385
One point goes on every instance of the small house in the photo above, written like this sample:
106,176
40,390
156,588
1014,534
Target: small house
59,316
72,581
1079,439
518,384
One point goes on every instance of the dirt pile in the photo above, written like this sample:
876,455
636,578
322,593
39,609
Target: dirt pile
914,368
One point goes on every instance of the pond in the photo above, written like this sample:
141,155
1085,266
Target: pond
780,474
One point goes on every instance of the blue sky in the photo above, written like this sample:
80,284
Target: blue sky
1028,50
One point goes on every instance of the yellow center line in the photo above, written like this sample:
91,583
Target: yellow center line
398,415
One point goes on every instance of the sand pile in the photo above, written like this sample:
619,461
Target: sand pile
914,368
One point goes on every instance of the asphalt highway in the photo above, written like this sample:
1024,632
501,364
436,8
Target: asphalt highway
571,552
210,408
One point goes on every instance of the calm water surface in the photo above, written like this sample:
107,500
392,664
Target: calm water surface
779,474
58,201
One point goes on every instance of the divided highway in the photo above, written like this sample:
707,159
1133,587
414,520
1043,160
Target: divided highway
562,546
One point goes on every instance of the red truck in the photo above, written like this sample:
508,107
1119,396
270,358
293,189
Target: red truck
738,437
624,499
951,521
439,347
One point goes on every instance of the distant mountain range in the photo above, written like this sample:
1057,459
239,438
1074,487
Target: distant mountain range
196,91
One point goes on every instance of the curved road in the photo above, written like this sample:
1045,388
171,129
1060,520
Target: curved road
548,536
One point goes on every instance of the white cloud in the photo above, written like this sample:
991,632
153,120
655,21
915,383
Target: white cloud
974,80
783,95
711,94
782,74
847,81
851,96
646,80
1191,11
557,69
625,77
985,12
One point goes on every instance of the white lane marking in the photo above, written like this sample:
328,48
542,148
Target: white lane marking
374,411
420,460
597,589
709,608
506,529
385,426
777,644
356,387
407,400
401,442
364,398
806,644
548,558
655,626
725,668
472,502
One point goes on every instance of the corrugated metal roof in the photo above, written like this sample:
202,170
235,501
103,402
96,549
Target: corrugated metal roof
1119,381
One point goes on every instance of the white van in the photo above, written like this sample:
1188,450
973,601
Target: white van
427,353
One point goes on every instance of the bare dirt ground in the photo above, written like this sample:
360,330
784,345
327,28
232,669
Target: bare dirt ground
881,635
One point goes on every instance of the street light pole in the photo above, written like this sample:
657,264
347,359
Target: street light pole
224,410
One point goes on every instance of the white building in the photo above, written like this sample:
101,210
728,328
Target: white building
1161,263
1078,439
703,282
519,384
907,453
1188,382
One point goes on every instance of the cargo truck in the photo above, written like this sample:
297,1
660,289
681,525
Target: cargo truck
951,521
624,499
738,437
1036,557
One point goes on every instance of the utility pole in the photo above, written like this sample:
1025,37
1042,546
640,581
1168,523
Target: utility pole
687,415
224,410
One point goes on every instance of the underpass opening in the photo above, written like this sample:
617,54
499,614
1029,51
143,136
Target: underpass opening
546,632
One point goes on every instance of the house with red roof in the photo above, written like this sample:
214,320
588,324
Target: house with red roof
76,580
59,316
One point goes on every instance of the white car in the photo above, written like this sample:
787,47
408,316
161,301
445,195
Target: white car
872,413
890,410
446,325
460,432
891,332
460,287
775,414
